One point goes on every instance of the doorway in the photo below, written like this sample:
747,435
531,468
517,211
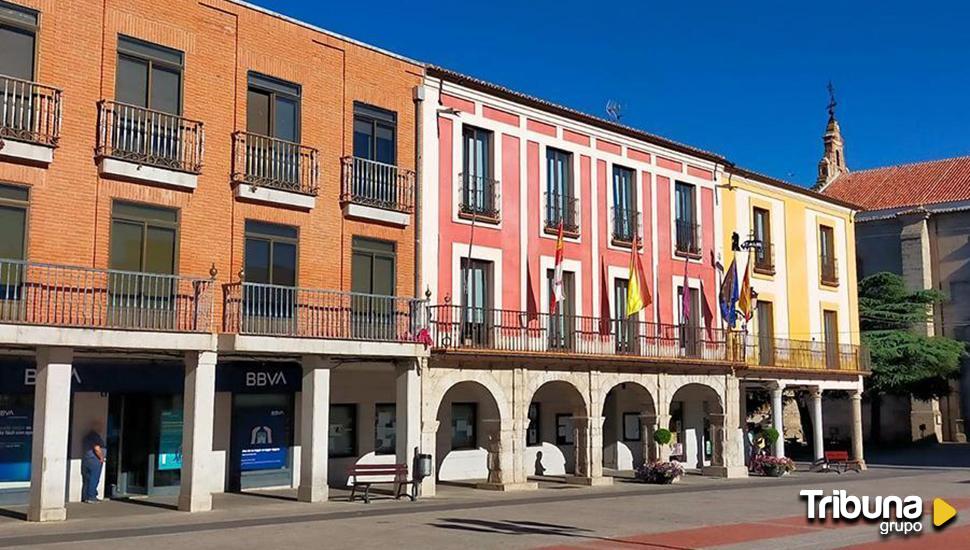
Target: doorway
262,438
144,445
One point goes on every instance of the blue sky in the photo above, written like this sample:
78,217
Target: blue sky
744,79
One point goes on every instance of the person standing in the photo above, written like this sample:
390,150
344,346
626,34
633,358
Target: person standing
91,464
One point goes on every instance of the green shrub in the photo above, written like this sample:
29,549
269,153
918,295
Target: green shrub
663,436
771,435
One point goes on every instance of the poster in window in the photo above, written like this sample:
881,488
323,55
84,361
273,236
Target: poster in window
170,440
343,435
564,429
16,434
385,429
631,426
262,434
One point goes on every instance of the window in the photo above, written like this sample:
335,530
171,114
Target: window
372,274
564,429
271,253
829,266
631,426
273,108
687,231
766,333
149,76
625,215
143,238
375,134
689,320
343,431
830,321
13,222
562,327
18,36
624,327
385,429
464,419
476,301
764,261
533,434
478,185
560,198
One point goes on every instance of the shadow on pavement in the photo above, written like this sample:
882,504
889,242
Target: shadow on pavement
511,527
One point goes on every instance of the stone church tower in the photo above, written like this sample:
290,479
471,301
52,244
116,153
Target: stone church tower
832,164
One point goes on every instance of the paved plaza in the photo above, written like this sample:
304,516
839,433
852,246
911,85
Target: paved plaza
698,512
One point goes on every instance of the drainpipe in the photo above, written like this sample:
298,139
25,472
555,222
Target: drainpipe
418,176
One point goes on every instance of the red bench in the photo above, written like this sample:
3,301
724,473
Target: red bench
838,462
362,476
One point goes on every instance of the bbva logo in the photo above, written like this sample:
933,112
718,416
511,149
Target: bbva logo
262,379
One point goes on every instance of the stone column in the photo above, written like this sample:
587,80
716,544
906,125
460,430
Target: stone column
429,445
718,436
408,411
648,426
777,418
743,423
857,452
588,445
52,406
818,427
315,429
195,492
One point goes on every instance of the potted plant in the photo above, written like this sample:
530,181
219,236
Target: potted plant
663,436
660,472
770,435
773,466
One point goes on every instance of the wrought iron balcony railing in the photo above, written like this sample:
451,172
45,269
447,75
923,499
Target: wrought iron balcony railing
829,270
270,162
68,296
562,209
764,259
687,238
454,327
29,111
148,137
626,224
376,184
480,198
274,310
771,352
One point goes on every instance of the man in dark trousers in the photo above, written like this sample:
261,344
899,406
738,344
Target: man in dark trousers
91,463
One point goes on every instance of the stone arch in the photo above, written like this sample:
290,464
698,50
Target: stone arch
629,415
468,417
556,418
696,420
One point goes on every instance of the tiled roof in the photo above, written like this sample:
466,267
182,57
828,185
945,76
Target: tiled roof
548,106
918,184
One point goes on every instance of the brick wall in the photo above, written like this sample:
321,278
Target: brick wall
70,208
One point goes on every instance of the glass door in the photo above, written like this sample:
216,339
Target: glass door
144,445
262,435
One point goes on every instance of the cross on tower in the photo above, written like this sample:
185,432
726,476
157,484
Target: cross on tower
832,101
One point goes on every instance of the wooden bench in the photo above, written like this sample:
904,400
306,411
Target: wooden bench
838,462
362,476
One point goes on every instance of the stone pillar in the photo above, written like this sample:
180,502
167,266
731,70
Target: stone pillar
648,426
408,411
195,492
429,445
663,451
818,427
588,445
743,422
857,452
777,418
52,406
315,429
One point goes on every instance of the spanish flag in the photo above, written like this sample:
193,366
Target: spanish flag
744,300
637,294
558,295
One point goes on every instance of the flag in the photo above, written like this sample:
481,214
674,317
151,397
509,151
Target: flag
744,300
729,294
685,298
637,294
557,291
606,314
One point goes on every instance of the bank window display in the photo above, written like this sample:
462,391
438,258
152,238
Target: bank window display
343,431
385,421
532,433
631,426
263,431
16,432
564,429
463,426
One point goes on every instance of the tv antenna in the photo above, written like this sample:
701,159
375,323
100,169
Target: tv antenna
614,110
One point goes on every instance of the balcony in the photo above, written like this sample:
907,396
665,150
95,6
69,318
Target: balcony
480,199
377,191
779,353
274,171
562,209
141,144
626,226
509,332
687,239
829,270
764,259
30,120
272,310
51,295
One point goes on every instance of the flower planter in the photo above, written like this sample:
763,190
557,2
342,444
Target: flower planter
773,471
660,473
